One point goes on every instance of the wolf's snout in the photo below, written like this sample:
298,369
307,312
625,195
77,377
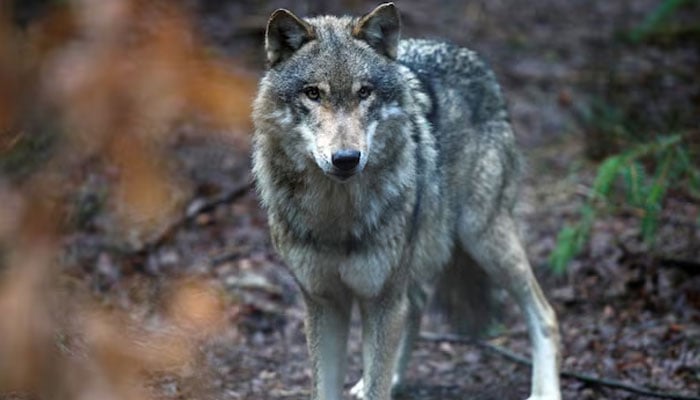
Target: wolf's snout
346,160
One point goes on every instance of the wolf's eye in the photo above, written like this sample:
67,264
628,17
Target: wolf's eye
364,92
312,92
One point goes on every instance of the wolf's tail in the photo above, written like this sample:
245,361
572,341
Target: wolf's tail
465,295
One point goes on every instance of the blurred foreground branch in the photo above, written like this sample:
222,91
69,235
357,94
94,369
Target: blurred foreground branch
96,88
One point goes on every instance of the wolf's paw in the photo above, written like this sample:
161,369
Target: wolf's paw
358,390
554,396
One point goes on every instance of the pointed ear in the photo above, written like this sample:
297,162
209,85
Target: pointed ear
285,34
381,29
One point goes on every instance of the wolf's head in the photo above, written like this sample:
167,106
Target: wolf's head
332,88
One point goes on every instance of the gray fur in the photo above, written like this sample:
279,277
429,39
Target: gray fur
437,180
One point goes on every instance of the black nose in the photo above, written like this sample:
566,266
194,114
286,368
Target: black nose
345,160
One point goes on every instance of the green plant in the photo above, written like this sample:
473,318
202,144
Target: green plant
656,18
644,189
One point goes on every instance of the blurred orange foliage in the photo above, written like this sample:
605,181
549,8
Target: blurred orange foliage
113,78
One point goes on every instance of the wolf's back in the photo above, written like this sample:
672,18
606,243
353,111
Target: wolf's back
449,71
465,97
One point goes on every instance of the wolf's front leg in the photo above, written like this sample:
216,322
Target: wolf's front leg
499,251
383,321
418,296
327,324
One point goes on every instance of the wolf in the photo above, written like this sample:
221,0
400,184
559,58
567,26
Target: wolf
385,164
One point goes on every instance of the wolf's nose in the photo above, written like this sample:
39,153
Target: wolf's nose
345,160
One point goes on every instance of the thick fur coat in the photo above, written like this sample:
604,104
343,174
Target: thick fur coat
382,164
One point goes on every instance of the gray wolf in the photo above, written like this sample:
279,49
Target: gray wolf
384,164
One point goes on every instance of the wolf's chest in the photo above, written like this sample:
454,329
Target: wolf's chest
357,241
363,268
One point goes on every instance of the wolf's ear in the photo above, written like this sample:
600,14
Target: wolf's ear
285,34
381,29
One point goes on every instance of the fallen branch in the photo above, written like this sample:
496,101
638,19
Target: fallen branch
197,208
208,205
689,266
517,358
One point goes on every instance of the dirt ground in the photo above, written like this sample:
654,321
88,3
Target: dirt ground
625,313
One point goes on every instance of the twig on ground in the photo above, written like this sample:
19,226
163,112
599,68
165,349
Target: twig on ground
208,205
198,208
517,358
690,266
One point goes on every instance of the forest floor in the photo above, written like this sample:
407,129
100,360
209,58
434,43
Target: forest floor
626,312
